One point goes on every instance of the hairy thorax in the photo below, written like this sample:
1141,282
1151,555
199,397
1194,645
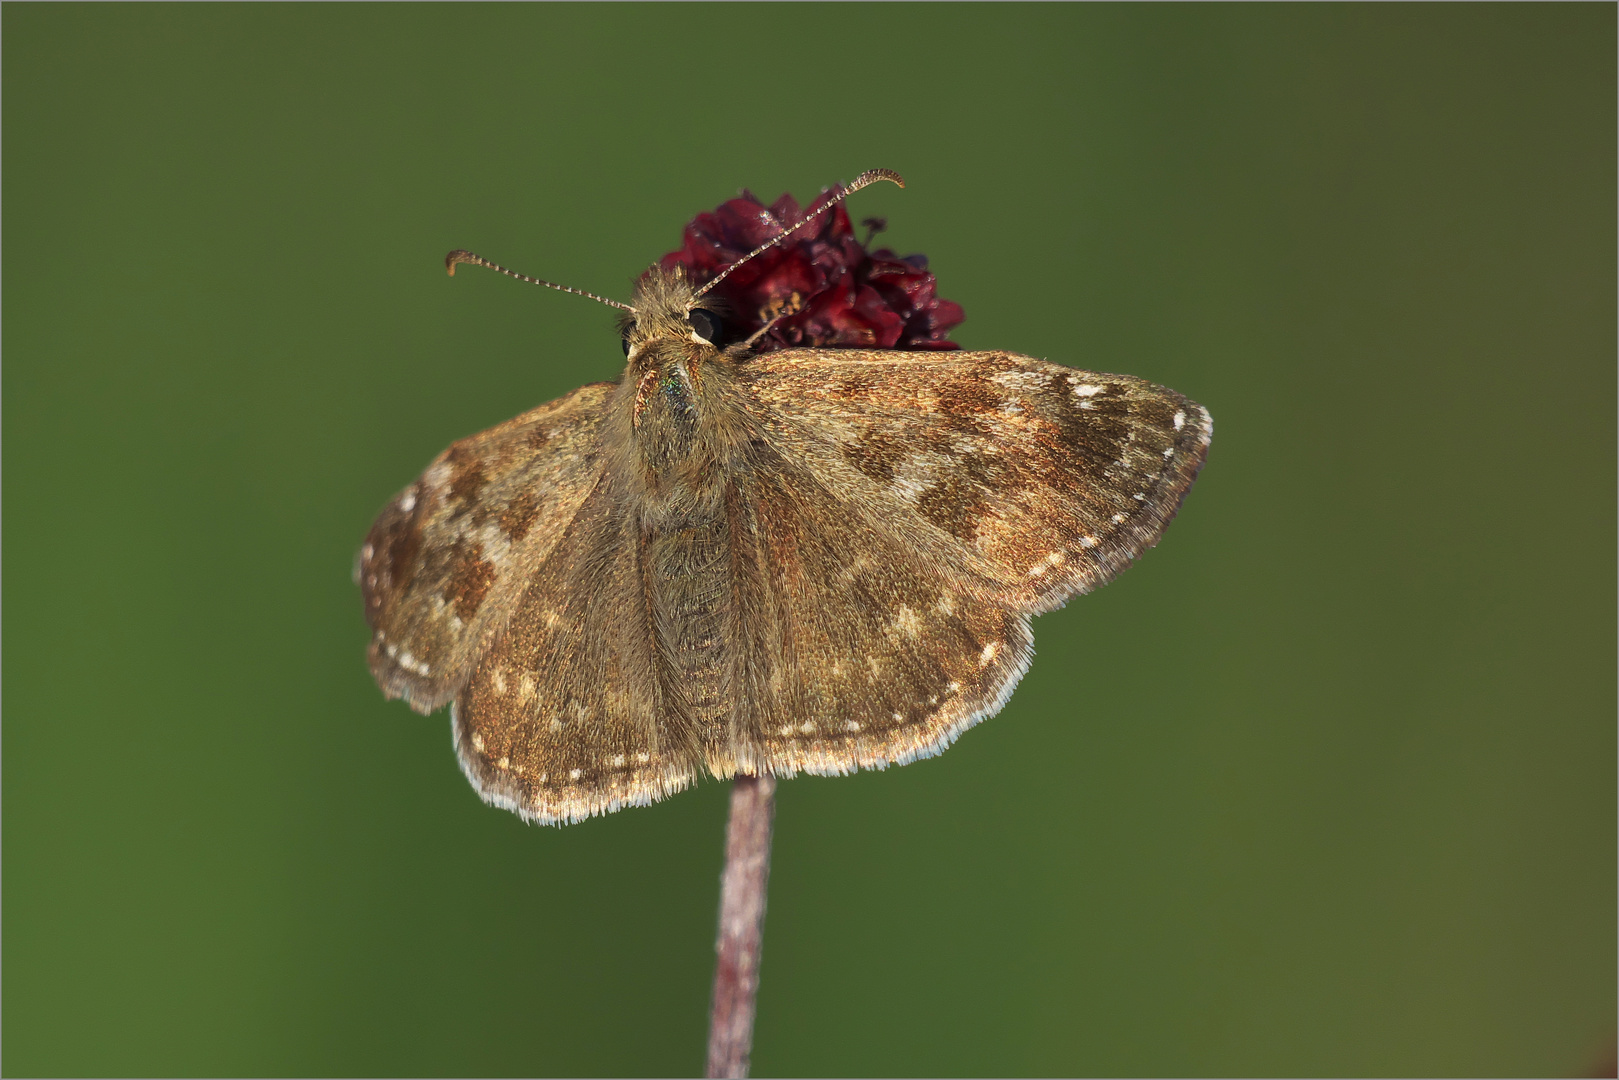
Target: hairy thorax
678,426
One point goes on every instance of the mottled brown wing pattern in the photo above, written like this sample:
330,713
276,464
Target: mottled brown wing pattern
923,507
857,650
777,637
1045,479
445,563
573,711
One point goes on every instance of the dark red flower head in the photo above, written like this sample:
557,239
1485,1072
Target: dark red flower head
826,288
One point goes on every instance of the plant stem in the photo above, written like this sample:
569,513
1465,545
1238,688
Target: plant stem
742,924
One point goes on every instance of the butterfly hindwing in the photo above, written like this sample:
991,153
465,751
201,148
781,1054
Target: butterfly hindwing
572,711
856,651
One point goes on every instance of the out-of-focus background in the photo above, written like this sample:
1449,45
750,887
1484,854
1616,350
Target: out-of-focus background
1325,785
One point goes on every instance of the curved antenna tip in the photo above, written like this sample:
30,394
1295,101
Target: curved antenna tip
871,176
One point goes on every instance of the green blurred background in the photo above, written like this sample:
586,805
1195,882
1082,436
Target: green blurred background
1326,785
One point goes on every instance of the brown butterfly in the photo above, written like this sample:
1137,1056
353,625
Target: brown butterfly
808,560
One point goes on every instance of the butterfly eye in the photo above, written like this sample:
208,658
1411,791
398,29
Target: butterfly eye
626,344
705,324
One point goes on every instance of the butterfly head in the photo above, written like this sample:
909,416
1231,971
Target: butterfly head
669,317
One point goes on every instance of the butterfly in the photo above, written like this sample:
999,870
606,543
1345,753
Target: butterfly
763,562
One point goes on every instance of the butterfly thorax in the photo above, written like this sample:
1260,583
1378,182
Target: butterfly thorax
677,421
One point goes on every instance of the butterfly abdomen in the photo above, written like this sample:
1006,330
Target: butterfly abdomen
686,572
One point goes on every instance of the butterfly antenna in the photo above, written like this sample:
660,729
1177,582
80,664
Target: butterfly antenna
456,257
869,177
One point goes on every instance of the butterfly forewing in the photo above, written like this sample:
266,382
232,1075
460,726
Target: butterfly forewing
449,557
1042,479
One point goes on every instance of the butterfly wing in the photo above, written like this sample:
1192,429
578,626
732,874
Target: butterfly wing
441,569
856,650
921,508
574,709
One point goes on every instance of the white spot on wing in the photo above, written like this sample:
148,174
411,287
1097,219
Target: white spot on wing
407,502
987,657
574,774
916,473
477,742
1085,390
1029,382
409,662
907,489
1051,559
1180,419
